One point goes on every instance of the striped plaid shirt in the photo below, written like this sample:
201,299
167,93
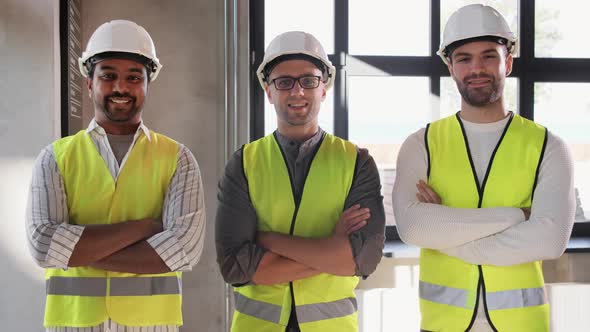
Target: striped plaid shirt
52,239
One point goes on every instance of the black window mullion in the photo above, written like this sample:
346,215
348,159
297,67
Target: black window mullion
256,54
63,36
339,60
526,12
434,45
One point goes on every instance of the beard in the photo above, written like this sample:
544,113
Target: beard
117,113
479,97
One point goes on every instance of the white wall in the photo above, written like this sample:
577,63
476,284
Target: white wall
27,124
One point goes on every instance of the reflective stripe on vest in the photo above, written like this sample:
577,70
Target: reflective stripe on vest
76,286
131,286
518,298
319,311
445,295
305,313
261,310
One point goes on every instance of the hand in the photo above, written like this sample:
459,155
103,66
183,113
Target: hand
527,213
425,194
351,220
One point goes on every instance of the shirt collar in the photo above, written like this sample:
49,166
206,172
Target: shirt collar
284,141
95,127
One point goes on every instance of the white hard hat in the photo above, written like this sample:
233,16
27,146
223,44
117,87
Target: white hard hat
295,42
120,36
474,21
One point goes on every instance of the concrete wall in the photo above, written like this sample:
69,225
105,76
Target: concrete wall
28,122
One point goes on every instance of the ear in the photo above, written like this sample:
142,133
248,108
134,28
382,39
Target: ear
89,86
324,92
268,95
509,61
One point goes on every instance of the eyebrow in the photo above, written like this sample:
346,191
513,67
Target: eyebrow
289,76
134,70
490,50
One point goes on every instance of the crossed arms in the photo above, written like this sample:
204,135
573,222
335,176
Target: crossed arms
494,236
141,246
290,257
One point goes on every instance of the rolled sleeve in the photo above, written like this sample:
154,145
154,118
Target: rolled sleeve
51,239
236,225
180,244
368,242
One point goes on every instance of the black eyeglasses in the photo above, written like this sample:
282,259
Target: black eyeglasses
288,82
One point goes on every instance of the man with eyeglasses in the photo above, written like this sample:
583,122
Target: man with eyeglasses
486,193
300,214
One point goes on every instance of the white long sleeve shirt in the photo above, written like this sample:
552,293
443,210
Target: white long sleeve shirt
52,238
492,236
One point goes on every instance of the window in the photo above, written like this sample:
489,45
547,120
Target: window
560,29
385,56
388,24
383,111
281,16
565,109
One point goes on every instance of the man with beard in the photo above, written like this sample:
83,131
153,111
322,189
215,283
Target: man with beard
283,240
116,211
464,193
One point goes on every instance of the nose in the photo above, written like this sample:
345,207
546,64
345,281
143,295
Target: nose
477,65
297,89
120,85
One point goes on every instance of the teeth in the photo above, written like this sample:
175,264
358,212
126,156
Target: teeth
119,101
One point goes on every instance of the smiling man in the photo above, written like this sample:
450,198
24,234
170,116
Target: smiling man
300,214
464,193
116,211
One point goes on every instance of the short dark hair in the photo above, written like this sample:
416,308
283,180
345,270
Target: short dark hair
453,46
298,56
90,64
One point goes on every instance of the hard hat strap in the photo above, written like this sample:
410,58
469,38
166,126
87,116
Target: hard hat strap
448,51
298,56
148,63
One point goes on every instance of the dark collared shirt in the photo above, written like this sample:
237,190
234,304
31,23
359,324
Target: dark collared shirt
238,255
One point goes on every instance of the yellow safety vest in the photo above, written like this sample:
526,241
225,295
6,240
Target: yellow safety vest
514,296
323,302
85,296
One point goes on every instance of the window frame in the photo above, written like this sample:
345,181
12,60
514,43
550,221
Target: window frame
527,68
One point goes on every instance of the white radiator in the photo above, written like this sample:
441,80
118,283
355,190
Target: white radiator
570,306
388,309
